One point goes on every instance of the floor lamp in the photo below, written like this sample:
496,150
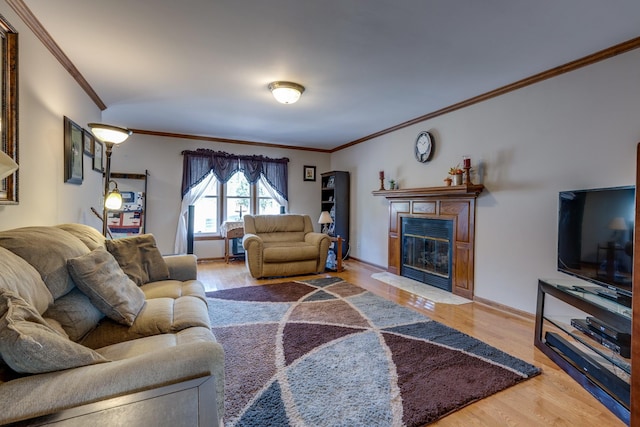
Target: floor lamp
110,136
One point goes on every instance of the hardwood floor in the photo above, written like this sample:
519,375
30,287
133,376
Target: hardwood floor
550,399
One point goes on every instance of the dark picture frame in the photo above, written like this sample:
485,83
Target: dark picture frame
88,142
9,194
309,173
98,156
73,148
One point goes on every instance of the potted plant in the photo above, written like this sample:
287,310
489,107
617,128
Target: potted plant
456,174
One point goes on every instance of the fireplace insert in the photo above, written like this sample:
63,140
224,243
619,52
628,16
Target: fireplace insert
427,251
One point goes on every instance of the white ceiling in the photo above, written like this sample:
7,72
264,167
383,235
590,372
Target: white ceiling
201,67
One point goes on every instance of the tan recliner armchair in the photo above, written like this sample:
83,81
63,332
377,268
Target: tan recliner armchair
283,245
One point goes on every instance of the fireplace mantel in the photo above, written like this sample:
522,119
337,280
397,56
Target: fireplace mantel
448,191
456,203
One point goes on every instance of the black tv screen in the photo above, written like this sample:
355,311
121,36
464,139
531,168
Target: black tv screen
595,236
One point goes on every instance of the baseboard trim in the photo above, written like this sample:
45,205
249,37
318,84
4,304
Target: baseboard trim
506,308
370,264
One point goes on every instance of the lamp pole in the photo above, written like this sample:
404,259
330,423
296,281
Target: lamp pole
107,177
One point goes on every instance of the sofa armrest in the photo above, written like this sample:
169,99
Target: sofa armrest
43,394
182,267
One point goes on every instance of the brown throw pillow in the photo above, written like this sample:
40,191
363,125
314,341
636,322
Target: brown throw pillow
99,276
139,258
29,345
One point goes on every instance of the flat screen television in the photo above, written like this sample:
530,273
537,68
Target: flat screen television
595,236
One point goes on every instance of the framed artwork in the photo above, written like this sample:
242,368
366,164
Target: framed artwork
73,147
98,155
9,109
309,173
88,142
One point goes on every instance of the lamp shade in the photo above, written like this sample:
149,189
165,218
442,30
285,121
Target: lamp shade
325,218
113,200
286,92
618,223
7,165
109,133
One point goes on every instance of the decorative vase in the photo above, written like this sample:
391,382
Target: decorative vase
447,181
457,179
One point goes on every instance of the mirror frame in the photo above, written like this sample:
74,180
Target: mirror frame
9,107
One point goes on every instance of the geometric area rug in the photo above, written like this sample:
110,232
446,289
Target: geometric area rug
324,352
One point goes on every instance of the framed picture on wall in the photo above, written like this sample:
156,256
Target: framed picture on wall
309,173
73,148
88,142
98,155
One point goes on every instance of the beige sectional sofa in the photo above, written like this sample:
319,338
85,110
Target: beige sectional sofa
283,245
96,332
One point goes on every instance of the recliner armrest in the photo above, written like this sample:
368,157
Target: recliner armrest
316,238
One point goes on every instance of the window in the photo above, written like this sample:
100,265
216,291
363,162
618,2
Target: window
231,201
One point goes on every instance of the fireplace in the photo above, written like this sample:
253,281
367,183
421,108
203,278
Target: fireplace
427,251
454,206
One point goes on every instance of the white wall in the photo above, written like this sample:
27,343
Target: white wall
162,157
578,130
47,93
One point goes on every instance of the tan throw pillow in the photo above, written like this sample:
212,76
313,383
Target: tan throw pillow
76,313
29,345
139,258
99,276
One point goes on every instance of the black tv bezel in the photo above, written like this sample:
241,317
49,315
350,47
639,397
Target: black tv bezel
620,290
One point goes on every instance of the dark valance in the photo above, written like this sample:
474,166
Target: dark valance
196,165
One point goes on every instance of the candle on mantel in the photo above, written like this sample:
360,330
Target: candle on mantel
466,161
381,174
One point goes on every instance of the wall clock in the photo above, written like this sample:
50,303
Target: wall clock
424,147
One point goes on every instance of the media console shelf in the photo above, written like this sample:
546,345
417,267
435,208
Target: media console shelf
591,359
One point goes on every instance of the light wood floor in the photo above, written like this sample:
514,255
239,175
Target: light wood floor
550,399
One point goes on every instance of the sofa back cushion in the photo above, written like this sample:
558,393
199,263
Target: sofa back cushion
278,228
19,276
87,234
47,249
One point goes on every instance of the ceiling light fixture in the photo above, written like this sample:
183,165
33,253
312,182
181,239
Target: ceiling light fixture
286,92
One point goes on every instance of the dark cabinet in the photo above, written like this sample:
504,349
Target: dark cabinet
335,200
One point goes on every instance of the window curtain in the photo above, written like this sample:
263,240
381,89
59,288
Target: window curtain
199,167
197,192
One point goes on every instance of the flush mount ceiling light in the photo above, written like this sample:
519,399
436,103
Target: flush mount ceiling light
286,92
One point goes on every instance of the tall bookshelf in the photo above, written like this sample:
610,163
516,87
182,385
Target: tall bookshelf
335,200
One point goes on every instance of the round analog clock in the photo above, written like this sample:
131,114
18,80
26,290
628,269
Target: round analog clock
424,146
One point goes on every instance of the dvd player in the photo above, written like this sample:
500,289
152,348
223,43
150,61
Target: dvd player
600,338
614,332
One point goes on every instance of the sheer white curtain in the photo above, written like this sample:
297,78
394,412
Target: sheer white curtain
272,192
192,196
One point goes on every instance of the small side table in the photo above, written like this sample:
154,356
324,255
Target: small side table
338,248
230,230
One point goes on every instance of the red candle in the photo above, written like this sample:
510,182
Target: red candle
381,174
467,162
